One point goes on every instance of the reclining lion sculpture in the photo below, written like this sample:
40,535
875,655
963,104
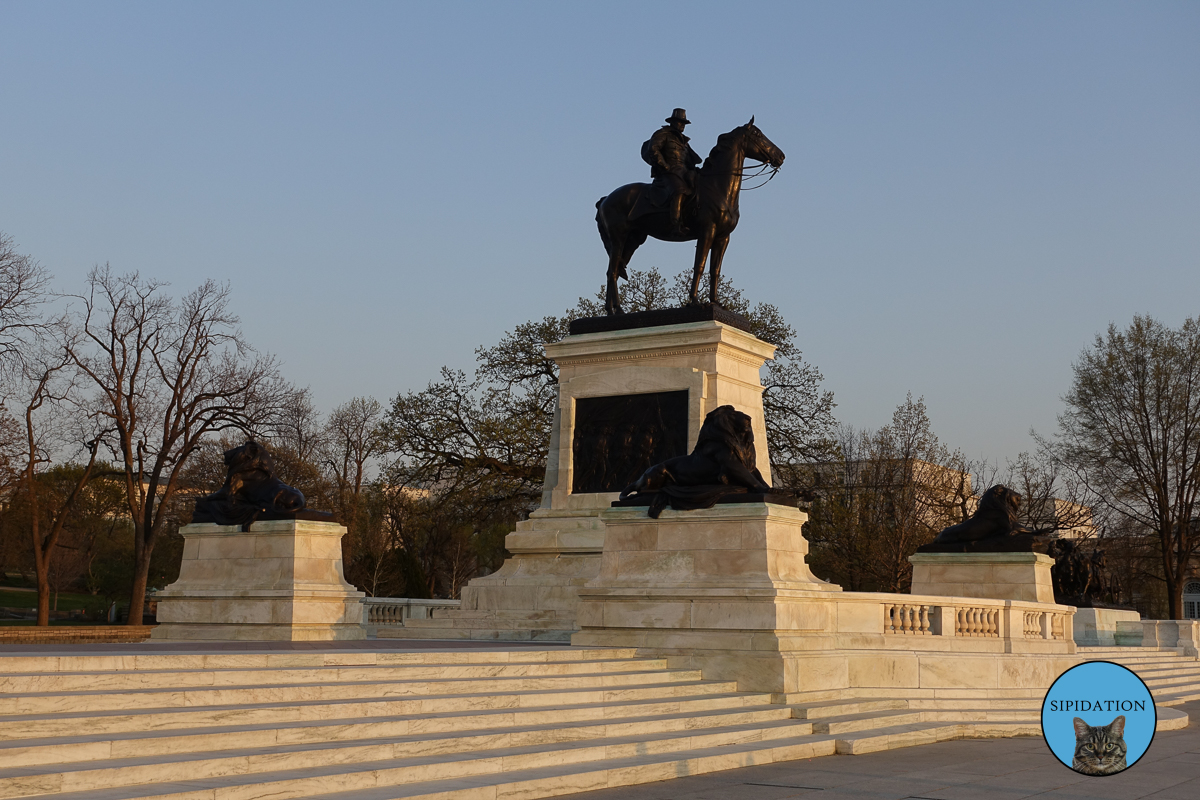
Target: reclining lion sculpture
723,462
251,490
995,518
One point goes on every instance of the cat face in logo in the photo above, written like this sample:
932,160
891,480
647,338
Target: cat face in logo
1100,749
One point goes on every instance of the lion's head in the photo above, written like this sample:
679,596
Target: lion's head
1000,504
248,465
727,425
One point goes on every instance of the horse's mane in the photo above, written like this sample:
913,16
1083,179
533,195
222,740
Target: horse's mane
724,142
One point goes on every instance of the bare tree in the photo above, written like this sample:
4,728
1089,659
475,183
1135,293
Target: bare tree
167,375
1131,433
891,491
23,286
354,436
47,402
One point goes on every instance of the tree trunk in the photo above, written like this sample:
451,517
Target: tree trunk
43,592
137,595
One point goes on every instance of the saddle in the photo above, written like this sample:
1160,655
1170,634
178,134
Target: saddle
653,200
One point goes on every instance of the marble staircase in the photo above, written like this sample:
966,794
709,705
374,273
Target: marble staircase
364,725
904,718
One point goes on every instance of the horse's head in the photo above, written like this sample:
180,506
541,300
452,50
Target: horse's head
759,147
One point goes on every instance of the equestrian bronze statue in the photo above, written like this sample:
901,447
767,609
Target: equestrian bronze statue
706,201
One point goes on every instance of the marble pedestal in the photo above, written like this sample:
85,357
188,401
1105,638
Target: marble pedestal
999,576
535,593
726,590
280,581
716,586
1108,627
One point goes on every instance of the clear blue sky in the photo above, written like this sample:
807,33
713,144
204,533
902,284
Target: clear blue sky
972,190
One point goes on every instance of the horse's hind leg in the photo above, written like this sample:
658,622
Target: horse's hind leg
703,244
633,241
612,297
613,241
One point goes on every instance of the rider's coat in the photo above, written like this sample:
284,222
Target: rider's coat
672,162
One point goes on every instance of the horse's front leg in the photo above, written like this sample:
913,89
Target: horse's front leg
703,245
714,269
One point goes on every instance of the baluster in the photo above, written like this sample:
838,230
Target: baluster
925,619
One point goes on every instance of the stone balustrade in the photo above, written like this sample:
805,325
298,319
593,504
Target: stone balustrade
968,617
395,611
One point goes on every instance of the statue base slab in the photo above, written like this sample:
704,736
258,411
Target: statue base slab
996,575
726,590
278,581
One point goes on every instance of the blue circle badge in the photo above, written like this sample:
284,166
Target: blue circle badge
1098,718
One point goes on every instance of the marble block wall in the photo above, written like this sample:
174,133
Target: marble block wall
279,581
1000,576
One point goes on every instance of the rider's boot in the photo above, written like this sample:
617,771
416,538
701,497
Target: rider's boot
676,212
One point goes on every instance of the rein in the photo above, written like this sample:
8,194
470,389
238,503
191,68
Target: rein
762,169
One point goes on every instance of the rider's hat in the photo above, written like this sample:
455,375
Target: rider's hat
679,114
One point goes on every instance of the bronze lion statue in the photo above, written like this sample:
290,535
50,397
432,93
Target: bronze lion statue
722,463
251,490
995,518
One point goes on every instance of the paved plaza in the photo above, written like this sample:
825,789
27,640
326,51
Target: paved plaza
968,769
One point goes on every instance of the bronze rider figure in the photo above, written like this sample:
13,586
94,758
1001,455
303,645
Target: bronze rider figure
673,165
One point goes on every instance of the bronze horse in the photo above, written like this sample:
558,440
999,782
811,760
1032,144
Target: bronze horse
709,215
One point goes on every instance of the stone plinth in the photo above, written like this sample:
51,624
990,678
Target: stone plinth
715,363
1108,627
535,594
280,581
999,576
726,590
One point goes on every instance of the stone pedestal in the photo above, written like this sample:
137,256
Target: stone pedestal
1108,627
534,595
726,590
720,585
998,576
280,581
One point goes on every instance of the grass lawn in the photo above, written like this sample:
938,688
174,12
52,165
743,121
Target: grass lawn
67,601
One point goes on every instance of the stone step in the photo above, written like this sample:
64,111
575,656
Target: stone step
18,683
1171,684
518,614
524,772
836,708
39,703
462,755
969,703
1175,698
64,723
301,659
913,734
488,633
848,723
579,722
1165,669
